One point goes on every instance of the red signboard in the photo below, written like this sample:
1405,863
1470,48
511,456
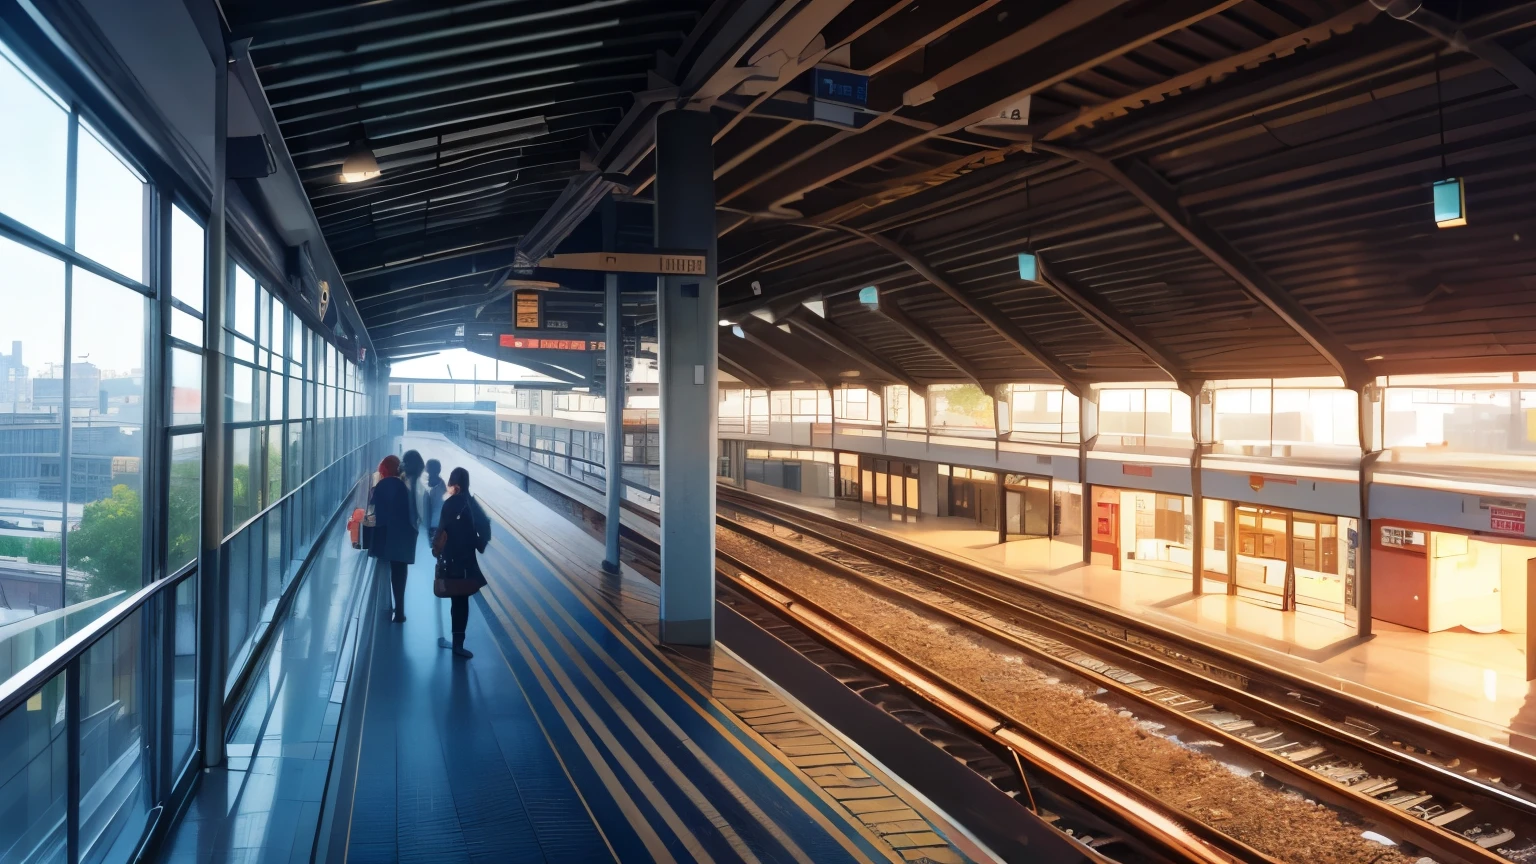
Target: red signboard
1506,520
508,340
1136,470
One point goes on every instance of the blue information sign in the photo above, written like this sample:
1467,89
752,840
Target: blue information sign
835,85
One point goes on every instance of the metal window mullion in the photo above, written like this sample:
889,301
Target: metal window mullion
71,183
72,770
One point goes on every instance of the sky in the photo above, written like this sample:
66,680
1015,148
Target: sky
109,318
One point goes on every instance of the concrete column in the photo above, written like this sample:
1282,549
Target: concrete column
614,429
210,580
687,312
1196,499
1088,429
1369,452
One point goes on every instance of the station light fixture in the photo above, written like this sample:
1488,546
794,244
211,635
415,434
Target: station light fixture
736,331
869,295
1450,203
724,322
764,315
818,306
1029,268
359,165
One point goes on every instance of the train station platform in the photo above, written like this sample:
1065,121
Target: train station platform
571,735
1471,682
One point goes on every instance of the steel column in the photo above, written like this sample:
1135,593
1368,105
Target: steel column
688,337
614,428
210,582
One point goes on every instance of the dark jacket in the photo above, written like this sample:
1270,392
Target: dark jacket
468,531
436,489
394,537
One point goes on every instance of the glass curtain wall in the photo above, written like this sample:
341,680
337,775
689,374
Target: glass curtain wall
102,281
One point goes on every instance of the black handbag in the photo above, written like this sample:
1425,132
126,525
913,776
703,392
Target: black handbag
447,583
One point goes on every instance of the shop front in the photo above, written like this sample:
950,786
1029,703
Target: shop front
969,493
1284,541
1143,531
889,489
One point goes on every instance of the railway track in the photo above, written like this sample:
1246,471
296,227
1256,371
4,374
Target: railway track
1327,749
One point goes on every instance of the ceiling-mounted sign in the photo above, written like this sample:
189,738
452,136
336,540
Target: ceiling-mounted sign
525,309
841,86
508,340
686,263
1506,520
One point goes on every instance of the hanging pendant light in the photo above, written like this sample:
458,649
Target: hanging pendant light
359,165
1449,195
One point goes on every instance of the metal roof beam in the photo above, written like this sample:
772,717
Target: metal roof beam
922,333
775,353
1162,199
1095,309
846,343
990,315
743,373
1454,34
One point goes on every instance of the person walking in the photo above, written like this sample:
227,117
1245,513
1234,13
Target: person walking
411,467
436,490
394,537
463,531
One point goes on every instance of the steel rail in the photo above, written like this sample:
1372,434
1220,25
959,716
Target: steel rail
1190,653
1128,805
1441,841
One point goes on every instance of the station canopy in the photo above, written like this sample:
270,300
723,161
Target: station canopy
1078,191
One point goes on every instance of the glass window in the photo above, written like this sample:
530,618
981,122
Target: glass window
186,387
106,434
184,501
1255,420
904,409
112,737
183,673
1137,418
186,328
279,328
188,272
34,166
109,208
961,407
36,779
241,387
1043,413
243,311
31,393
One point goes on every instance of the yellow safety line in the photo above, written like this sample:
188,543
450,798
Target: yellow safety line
524,639
700,800
815,813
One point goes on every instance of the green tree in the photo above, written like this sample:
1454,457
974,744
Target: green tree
108,544
13,547
185,503
44,550
970,401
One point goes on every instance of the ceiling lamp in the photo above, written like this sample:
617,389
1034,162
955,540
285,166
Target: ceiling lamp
817,306
1450,203
359,165
869,296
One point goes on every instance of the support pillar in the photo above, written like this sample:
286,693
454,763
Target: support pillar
614,429
687,311
1087,430
1369,453
1196,499
210,581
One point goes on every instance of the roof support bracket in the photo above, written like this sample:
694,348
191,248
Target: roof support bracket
1159,197
842,341
990,315
1102,313
928,337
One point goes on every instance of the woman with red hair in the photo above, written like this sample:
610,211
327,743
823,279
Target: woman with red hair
394,537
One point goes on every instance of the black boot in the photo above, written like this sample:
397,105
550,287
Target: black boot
458,647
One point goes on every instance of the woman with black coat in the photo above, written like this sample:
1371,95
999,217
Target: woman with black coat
394,535
463,530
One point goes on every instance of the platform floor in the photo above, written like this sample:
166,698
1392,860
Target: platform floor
572,735
1472,682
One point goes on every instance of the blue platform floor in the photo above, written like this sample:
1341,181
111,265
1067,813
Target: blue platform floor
572,735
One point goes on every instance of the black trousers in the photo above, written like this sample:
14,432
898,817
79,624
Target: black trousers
397,581
458,613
